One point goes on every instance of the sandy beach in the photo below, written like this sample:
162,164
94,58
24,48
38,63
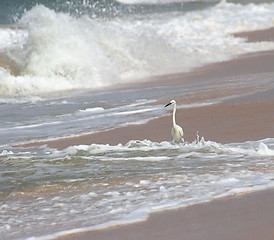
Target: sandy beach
257,36
86,148
248,216
227,122
239,119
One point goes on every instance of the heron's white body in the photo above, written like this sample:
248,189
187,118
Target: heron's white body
177,132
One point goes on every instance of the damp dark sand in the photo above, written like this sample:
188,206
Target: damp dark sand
238,119
249,216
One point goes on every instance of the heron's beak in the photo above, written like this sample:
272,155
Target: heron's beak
168,104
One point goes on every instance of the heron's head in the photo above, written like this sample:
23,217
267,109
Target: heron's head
171,103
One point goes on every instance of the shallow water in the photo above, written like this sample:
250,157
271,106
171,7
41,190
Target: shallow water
31,118
99,185
73,68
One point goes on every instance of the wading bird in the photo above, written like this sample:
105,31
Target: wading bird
177,132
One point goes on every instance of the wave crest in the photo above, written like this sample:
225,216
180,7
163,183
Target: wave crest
69,52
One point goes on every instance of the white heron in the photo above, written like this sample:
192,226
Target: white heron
177,132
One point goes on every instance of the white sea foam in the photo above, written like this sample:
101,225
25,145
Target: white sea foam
92,110
107,185
264,150
75,53
202,146
13,38
6,152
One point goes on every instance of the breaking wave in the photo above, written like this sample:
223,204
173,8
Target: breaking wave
68,52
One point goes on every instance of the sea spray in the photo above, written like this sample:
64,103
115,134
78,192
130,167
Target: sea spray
94,186
71,52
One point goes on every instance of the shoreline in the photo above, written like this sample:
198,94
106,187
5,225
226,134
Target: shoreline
247,215
214,117
239,113
240,118
257,35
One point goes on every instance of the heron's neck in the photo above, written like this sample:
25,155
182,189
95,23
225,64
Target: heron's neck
174,112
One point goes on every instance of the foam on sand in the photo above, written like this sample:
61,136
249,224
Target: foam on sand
142,177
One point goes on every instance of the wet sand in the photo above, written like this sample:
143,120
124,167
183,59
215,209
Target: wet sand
5,64
258,36
239,119
249,216
226,122
236,120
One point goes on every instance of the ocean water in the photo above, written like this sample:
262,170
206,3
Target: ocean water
52,193
77,48
79,69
